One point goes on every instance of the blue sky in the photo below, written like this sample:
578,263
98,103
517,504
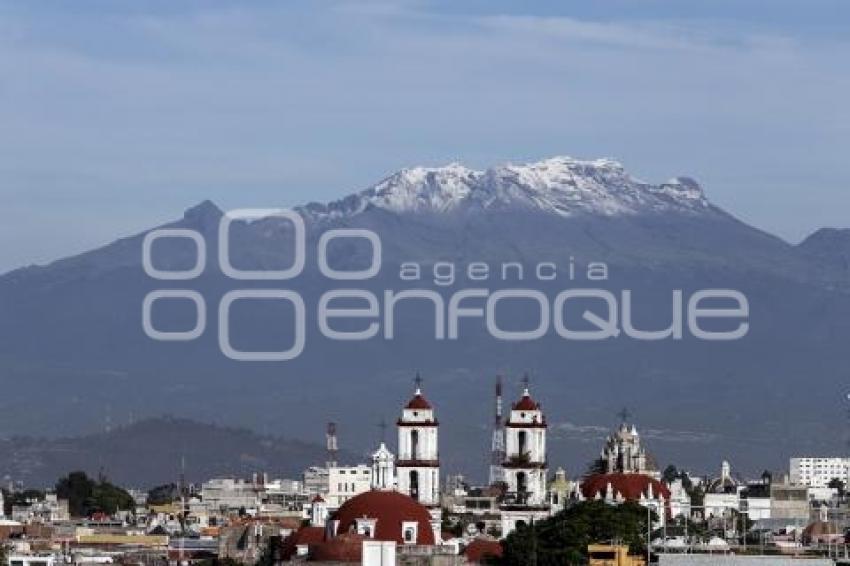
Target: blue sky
117,115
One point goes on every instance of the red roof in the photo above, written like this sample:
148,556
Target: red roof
630,486
482,548
419,402
390,509
347,547
318,499
304,535
526,404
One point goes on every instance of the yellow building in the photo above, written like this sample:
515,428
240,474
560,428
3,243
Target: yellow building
612,555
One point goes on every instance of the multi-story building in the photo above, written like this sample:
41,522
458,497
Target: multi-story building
789,502
316,480
818,472
51,509
344,482
231,494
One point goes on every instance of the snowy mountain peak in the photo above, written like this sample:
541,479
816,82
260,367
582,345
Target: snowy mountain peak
424,188
560,185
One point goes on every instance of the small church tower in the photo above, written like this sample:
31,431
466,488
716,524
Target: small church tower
418,465
383,468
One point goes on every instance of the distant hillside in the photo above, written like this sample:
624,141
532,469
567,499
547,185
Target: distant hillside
149,453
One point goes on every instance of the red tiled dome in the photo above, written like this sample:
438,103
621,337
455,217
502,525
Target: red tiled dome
419,402
630,486
526,404
389,509
347,547
481,548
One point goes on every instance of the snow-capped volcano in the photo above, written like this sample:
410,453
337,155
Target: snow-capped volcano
559,185
75,326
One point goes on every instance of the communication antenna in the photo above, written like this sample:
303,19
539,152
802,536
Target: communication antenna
331,445
497,448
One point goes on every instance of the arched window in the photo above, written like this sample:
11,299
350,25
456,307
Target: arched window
414,444
523,442
414,485
521,482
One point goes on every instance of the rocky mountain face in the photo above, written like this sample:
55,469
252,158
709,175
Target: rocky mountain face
72,345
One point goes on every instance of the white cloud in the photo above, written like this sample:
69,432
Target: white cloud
284,103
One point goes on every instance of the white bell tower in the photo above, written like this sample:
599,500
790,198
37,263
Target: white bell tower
418,465
525,451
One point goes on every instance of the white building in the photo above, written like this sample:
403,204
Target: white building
418,465
231,494
49,510
316,480
818,472
31,560
344,482
756,508
723,495
680,501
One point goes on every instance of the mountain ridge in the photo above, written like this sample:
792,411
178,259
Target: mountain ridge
73,328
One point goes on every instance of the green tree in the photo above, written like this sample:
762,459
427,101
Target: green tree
563,539
77,488
670,474
163,494
110,498
598,466
836,483
86,496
